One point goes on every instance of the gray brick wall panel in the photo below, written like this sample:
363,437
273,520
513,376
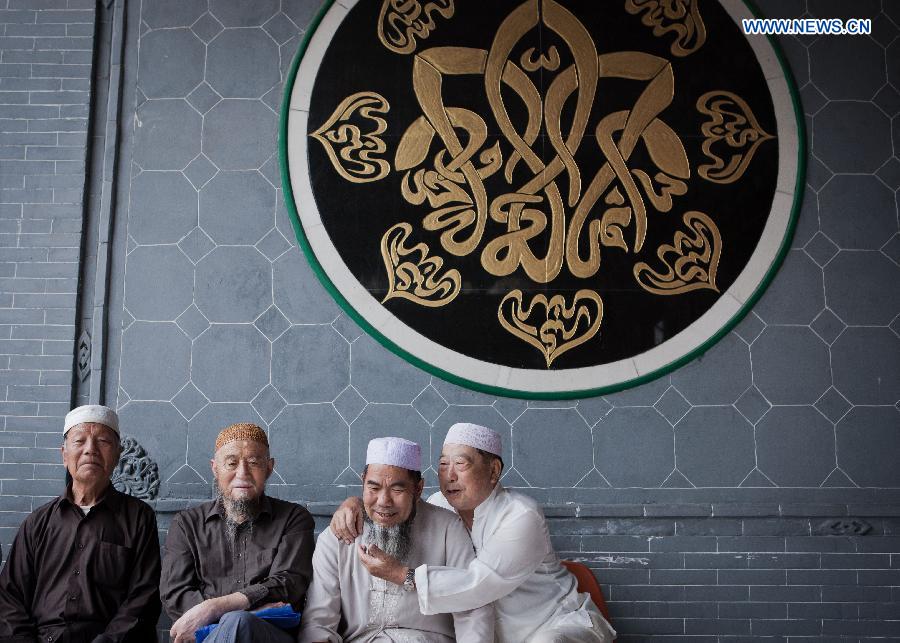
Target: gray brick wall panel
716,626
785,594
753,610
751,544
10,439
16,503
822,543
856,593
42,176
855,561
683,544
699,527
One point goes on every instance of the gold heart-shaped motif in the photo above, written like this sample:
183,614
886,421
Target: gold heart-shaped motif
735,133
690,262
414,275
353,152
550,325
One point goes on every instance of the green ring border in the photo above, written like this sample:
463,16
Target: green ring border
799,188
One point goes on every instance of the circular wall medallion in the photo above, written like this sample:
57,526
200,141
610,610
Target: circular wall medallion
542,198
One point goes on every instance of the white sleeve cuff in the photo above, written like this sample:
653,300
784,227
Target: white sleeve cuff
422,589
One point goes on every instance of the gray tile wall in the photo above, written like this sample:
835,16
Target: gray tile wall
707,500
46,50
801,394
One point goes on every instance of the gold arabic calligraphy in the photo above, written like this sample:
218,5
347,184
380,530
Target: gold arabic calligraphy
551,198
402,21
550,214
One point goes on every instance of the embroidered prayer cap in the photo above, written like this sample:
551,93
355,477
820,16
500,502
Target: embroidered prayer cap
92,413
475,436
242,431
396,452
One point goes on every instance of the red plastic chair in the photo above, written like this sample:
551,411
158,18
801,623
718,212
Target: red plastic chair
587,583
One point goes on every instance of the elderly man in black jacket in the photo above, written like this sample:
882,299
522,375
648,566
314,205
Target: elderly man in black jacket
85,566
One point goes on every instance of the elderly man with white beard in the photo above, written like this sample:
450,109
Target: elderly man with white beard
535,599
242,551
345,603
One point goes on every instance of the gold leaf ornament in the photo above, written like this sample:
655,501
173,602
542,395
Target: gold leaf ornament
551,325
354,151
731,136
689,263
413,274
402,21
681,17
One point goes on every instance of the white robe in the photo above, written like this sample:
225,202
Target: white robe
535,597
345,603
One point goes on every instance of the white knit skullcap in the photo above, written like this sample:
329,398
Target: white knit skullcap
475,436
396,452
92,413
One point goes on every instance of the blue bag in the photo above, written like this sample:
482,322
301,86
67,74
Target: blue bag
283,618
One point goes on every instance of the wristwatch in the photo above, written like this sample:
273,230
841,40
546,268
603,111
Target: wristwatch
409,583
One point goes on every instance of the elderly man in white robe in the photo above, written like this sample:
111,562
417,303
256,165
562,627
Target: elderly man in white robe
535,598
346,603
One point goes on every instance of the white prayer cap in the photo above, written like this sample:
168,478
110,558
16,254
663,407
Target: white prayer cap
395,452
92,413
475,436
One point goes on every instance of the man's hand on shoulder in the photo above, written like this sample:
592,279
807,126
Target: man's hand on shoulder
347,521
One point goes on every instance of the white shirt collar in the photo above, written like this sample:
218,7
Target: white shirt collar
485,506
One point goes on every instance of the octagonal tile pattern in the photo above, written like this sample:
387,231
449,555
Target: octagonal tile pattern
796,295
243,14
714,446
171,63
249,75
776,355
807,382
858,212
163,207
161,14
160,429
310,364
634,447
167,134
848,68
719,376
381,376
795,446
861,287
862,432
161,284
234,284
866,365
244,346
151,378
239,134
237,207
311,443
300,296
836,130
552,447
